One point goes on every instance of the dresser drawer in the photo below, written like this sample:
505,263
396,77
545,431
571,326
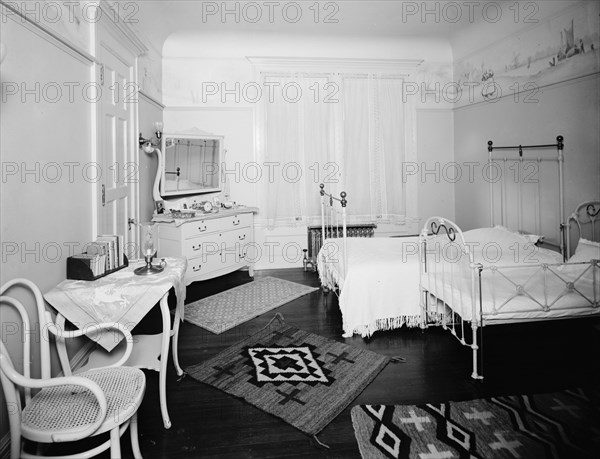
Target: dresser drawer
194,247
216,241
236,221
209,262
200,227
235,237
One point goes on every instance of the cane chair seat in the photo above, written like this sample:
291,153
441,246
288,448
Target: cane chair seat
70,408
62,409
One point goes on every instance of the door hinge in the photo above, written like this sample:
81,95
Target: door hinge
130,221
101,74
103,195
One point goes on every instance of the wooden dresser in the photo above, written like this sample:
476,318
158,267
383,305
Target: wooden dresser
213,243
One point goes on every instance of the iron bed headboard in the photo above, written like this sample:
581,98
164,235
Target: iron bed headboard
559,146
586,213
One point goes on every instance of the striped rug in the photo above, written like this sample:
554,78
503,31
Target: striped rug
555,425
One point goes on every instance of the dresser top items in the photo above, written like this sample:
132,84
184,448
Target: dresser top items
199,215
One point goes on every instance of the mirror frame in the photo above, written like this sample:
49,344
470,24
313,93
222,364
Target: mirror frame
181,135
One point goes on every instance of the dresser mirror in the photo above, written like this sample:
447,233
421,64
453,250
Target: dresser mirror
191,164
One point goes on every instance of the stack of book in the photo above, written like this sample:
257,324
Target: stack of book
102,256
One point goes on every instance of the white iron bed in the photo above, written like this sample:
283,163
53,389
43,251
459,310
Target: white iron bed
376,279
466,286
480,277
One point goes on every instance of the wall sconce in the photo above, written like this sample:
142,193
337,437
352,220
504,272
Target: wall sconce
148,145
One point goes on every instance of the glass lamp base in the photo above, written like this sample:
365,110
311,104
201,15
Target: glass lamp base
149,268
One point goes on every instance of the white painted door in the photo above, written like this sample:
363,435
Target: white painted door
116,154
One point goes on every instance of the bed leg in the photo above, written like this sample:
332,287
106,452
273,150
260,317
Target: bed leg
475,349
424,308
475,375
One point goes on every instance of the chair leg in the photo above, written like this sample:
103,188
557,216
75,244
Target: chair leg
133,430
115,443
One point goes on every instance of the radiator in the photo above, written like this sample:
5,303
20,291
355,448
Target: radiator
315,239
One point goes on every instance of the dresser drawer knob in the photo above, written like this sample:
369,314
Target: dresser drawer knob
236,222
201,229
197,268
195,248
241,238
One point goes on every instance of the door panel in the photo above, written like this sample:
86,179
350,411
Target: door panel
116,147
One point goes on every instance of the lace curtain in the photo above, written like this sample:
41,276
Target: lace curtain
351,132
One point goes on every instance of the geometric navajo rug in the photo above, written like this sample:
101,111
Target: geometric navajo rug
555,425
225,310
303,378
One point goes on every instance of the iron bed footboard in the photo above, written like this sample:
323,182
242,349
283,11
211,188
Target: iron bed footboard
445,277
333,218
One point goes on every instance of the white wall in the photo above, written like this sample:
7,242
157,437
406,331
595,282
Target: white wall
569,109
46,143
196,62
562,100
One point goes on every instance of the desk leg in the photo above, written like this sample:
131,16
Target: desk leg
61,347
164,357
175,344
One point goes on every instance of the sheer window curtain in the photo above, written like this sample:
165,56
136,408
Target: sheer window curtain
351,132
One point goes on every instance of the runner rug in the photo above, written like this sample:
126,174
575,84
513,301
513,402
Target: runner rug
225,310
302,378
555,425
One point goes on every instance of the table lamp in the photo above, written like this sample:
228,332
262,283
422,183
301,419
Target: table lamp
148,250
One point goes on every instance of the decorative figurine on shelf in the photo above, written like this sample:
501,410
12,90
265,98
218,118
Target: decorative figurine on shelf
148,250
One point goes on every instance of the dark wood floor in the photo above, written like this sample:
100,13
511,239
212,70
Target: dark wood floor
522,358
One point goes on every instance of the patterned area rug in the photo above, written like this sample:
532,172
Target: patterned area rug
302,378
225,310
556,425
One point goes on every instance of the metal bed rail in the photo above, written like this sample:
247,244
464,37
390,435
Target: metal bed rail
458,292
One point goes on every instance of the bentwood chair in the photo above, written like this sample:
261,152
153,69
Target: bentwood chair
68,408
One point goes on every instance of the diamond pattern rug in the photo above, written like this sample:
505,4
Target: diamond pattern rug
555,425
302,378
225,310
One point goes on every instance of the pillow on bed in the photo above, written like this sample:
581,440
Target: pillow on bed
532,238
586,251
497,234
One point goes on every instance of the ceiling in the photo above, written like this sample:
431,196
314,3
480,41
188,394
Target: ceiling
159,19
387,18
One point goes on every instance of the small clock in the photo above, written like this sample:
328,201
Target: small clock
207,206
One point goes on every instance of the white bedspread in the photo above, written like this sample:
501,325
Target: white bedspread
380,288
